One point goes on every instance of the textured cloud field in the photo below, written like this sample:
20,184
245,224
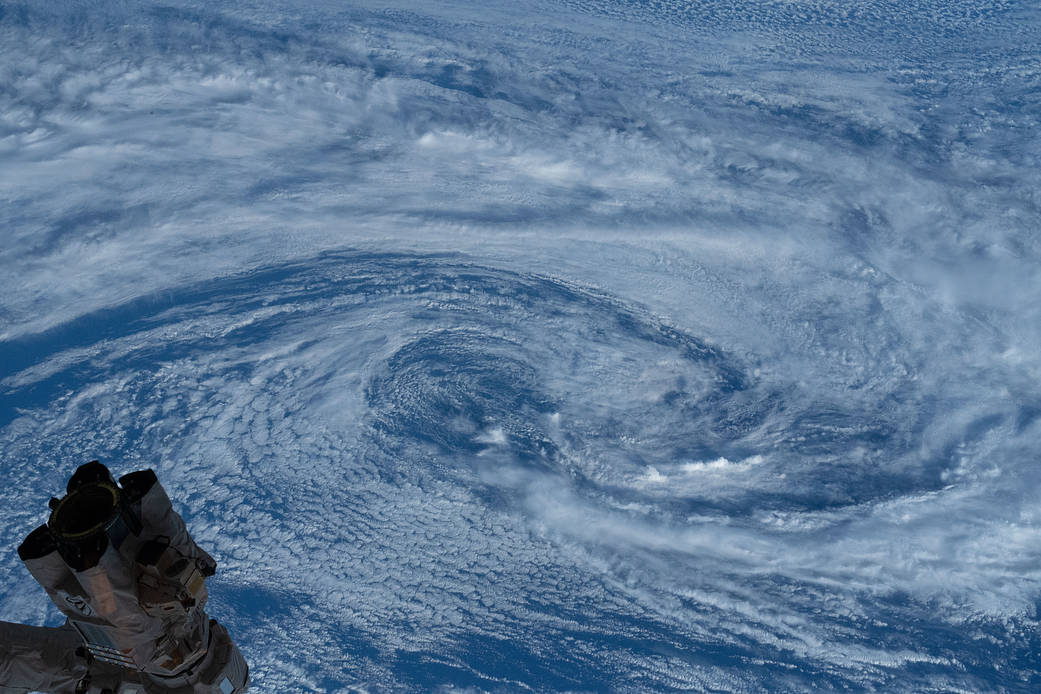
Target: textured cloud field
545,346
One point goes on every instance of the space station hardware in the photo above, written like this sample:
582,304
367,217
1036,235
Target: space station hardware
118,561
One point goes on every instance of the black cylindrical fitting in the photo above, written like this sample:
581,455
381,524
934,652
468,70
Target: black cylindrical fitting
92,516
37,545
89,473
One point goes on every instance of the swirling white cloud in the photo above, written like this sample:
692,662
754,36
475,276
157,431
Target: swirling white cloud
558,346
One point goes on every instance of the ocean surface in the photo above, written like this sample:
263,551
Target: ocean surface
544,346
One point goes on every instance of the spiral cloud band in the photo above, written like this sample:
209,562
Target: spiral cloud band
555,346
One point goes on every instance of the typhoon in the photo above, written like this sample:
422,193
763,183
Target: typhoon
536,346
